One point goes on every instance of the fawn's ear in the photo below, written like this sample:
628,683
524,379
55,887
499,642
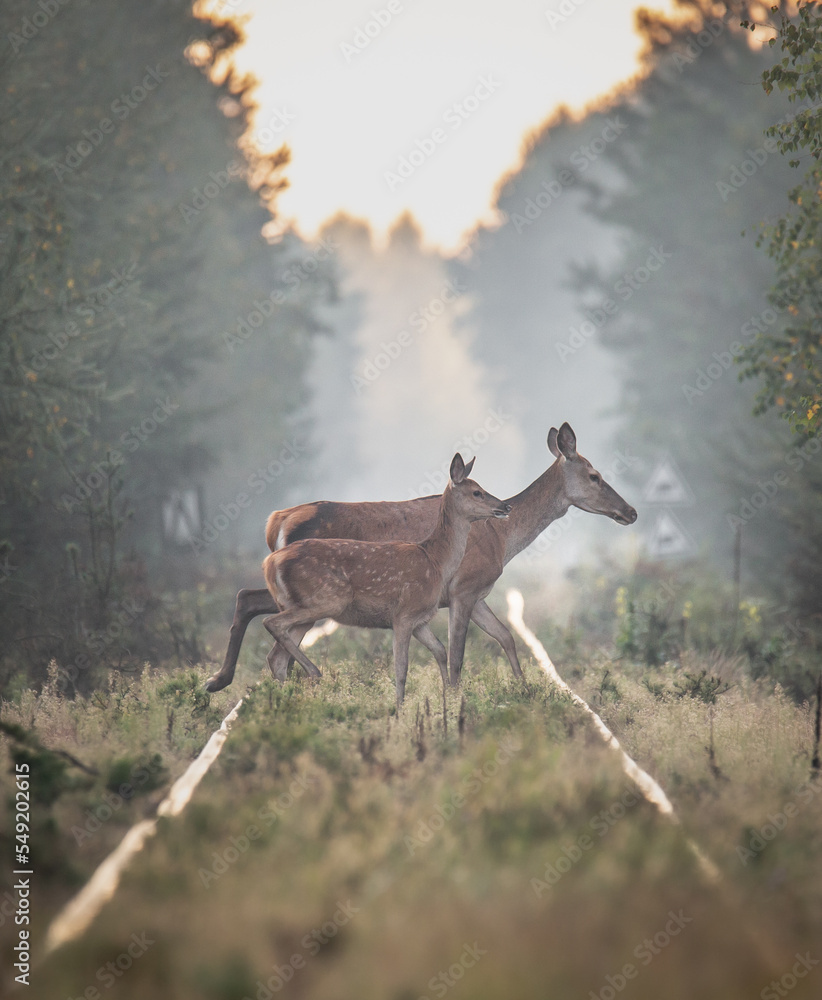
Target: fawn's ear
470,466
552,442
458,470
567,441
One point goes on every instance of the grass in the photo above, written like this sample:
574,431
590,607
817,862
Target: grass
488,848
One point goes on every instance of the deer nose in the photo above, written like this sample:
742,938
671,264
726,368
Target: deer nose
503,510
631,515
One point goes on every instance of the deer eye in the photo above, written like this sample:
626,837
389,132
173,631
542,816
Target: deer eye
595,478
477,493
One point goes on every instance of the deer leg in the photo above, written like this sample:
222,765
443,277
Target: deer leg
434,646
488,622
458,618
279,659
402,640
278,626
250,603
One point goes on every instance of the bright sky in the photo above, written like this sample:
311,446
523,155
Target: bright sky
449,86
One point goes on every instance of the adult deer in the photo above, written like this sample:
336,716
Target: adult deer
570,482
378,584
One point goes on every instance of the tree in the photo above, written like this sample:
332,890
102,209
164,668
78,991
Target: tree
638,208
131,242
788,358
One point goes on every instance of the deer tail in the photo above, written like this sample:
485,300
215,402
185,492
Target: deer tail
270,566
273,527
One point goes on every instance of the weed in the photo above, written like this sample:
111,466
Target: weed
325,801
700,686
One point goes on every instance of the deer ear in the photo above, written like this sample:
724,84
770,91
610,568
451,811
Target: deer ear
567,441
458,471
552,442
470,466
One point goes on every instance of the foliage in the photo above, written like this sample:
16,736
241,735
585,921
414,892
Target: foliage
122,770
662,615
321,814
701,686
50,767
687,128
120,280
688,174
788,357
651,633
639,205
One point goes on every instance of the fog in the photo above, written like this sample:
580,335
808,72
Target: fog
483,352
616,283
401,387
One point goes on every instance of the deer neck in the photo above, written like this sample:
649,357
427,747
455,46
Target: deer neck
538,505
445,546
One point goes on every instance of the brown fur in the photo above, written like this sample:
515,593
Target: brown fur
570,481
378,584
379,521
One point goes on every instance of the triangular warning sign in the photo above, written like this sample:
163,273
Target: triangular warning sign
668,538
667,486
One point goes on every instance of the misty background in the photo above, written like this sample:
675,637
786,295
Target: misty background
175,367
